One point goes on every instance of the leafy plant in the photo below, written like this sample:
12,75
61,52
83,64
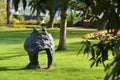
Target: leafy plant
20,17
100,53
14,21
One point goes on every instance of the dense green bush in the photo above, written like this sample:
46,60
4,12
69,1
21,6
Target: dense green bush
15,19
2,17
20,17
46,19
73,16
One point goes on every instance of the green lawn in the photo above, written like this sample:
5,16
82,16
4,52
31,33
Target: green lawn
66,66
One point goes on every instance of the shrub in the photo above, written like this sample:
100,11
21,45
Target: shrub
14,21
2,18
108,44
19,17
30,22
2,12
73,17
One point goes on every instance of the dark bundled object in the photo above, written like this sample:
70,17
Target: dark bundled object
38,41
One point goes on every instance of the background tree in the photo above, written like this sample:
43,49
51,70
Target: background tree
76,7
44,5
52,7
105,16
62,39
8,11
38,6
63,9
64,4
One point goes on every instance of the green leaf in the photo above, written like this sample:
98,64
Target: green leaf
87,48
98,61
104,55
92,52
98,52
92,64
80,50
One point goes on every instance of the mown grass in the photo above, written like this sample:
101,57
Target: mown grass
66,66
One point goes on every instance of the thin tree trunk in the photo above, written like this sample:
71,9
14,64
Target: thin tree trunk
8,11
51,21
52,10
38,16
71,18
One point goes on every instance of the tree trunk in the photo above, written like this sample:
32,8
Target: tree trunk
8,11
38,16
71,18
62,39
51,21
52,11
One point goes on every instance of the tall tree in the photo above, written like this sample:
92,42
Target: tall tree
63,8
62,39
8,11
64,4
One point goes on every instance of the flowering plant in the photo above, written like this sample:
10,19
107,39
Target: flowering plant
101,35
100,51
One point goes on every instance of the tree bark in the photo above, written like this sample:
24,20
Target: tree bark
53,6
8,11
51,21
38,16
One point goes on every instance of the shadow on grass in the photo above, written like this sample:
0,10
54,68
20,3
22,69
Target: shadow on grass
11,56
13,37
24,68
71,69
9,69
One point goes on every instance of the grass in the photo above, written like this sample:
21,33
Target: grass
66,66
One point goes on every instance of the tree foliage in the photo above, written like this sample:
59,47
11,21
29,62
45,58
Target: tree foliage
39,5
16,4
105,11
